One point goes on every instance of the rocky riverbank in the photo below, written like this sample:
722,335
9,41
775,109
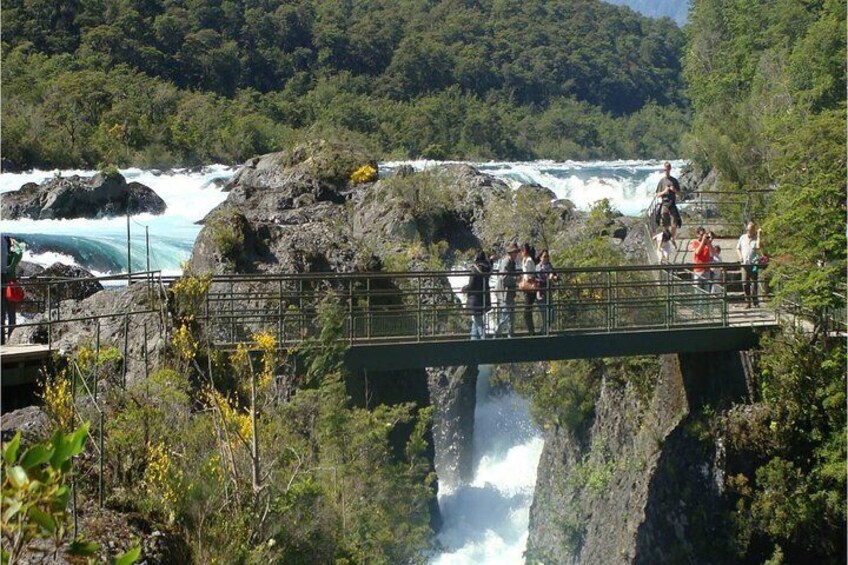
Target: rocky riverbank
102,196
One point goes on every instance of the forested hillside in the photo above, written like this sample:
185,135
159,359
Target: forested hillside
154,82
767,83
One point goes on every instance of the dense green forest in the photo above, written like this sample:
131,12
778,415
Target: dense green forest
767,83
164,82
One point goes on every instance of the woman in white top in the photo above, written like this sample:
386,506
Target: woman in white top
748,250
528,267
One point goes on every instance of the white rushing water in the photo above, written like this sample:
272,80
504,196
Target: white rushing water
100,245
486,521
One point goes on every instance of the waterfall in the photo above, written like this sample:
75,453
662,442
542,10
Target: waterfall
486,520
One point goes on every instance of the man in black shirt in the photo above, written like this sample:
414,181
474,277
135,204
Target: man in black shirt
667,190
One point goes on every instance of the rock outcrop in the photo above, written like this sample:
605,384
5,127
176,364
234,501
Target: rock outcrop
642,487
453,394
299,211
102,196
114,329
37,280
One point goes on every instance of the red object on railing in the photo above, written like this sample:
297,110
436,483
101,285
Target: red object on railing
14,292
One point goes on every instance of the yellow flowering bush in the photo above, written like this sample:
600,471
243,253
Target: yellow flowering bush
266,343
58,400
162,478
184,343
189,293
234,420
365,173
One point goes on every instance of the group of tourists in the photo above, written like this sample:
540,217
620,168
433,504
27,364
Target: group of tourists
519,271
703,247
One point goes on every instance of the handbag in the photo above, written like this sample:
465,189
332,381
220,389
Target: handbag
531,285
14,292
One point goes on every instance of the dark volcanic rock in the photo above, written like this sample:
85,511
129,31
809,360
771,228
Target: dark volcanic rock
78,289
36,281
453,394
643,486
102,196
26,270
284,214
31,421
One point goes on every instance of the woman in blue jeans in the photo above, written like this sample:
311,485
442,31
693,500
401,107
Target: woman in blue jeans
477,290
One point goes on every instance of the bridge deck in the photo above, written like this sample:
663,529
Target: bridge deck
411,355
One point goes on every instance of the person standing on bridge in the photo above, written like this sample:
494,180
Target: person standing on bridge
477,291
668,189
748,250
702,248
546,277
529,285
505,291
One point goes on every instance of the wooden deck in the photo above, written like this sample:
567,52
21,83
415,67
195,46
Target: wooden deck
21,363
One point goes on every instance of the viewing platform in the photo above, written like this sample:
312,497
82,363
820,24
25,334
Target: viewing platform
21,363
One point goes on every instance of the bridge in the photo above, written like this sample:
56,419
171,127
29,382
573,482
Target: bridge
393,321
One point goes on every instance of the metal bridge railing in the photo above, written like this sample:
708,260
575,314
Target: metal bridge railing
410,307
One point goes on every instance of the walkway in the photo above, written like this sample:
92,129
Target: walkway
405,320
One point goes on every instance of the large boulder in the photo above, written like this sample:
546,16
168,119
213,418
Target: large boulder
442,204
284,213
102,196
36,281
103,315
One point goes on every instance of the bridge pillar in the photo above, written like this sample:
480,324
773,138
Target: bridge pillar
715,377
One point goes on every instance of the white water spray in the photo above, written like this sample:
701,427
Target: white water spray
486,521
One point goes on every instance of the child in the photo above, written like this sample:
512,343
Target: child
663,240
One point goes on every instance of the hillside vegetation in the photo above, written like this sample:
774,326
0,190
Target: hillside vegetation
154,82
767,82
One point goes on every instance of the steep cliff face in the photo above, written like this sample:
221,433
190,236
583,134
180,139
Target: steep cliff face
453,394
643,485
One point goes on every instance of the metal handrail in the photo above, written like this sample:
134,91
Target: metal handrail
423,307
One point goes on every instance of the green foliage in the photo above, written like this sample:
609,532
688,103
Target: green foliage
249,473
807,211
565,394
35,493
524,215
767,83
792,492
164,84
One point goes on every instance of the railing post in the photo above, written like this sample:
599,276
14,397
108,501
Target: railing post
74,371
280,312
96,360
301,313
615,299
668,282
724,316
49,317
610,322
126,349
100,473
418,319
368,308
144,354
350,323
232,315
